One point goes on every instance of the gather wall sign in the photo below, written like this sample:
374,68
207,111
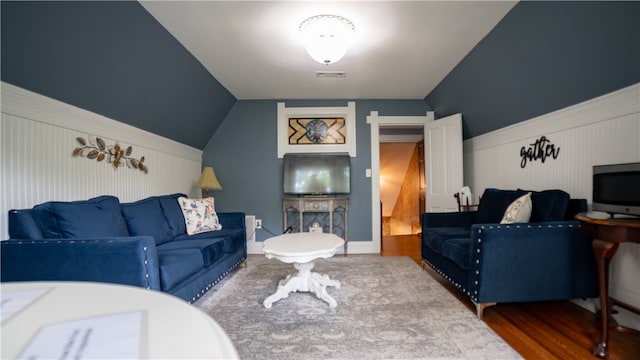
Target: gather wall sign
541,149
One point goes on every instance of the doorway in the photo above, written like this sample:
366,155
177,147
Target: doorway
389,126
402,185
442,163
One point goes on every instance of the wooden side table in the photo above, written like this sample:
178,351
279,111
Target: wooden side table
607,235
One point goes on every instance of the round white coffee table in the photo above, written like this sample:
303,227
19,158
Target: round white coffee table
301,249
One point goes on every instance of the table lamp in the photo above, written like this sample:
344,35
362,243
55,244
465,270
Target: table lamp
208,181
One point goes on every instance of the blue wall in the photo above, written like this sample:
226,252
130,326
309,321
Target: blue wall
115,59
542,56
243,153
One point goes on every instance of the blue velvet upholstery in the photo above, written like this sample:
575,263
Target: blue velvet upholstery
532,262
439,236
22,225
210,249
233,238
536,261
125,260
548,205
142,244
457,250
494,203
145,217
177,265
173,213
97,217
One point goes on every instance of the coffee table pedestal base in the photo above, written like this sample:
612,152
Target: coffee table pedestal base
304,281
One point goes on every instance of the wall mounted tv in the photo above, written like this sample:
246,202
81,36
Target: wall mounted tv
317,174
616,188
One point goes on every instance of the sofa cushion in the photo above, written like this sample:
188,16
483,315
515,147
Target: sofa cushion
519,211
458,250
97,217
22,225
177,265
211,249
173,213
234,238
436,237
494,203
199,215
549,205
145,217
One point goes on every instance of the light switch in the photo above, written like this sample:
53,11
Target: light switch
367,173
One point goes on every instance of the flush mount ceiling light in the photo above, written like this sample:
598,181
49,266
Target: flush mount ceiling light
327,37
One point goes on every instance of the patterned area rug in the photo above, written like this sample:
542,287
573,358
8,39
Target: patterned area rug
388,308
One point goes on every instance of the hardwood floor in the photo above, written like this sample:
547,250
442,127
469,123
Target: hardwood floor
540,330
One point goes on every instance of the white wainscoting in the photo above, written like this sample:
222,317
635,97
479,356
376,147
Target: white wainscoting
38,135
604,130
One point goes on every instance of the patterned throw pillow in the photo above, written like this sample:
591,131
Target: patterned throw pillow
519,211
199,215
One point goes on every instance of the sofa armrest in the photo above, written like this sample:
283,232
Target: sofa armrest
448,219
122,260
232,220
531,262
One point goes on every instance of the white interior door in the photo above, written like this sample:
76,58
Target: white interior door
443,163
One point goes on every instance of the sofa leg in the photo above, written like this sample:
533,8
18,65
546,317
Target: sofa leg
480,309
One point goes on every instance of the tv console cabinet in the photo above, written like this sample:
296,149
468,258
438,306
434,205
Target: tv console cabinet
330,213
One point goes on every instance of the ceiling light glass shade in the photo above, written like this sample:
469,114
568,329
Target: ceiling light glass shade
327,37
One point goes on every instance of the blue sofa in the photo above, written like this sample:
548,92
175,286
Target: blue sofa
549,258
144,244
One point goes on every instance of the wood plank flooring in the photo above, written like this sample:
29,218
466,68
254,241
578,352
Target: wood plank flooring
540,330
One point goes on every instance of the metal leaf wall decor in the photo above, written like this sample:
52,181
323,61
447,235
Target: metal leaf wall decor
117,156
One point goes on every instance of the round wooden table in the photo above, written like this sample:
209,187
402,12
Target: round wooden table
301,249
607,233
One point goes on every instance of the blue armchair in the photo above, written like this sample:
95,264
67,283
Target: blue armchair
549,258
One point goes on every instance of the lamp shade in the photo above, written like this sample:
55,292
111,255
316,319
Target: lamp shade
208,180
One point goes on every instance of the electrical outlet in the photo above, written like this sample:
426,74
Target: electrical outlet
258,223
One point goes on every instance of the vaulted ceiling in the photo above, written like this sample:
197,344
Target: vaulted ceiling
401,50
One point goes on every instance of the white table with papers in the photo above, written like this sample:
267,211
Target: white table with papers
86,320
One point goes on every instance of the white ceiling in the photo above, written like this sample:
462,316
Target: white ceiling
402,49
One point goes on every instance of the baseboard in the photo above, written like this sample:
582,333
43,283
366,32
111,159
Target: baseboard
622,316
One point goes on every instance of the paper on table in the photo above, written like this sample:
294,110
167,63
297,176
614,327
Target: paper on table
107,337
14,301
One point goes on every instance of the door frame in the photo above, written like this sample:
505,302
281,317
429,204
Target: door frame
376,122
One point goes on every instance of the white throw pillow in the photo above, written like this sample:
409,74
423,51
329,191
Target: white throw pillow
199,215
518,211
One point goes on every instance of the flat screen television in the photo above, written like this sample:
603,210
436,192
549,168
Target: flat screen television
616,188
317,174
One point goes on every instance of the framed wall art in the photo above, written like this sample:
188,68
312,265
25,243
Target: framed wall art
317,129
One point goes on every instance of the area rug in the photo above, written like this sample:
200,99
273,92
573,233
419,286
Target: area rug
388,308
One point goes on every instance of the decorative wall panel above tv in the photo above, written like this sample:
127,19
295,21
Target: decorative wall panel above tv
317,129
